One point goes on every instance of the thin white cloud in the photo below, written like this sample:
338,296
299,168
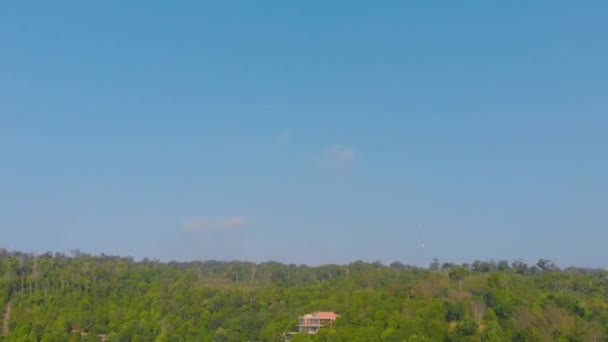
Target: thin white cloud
337,156
207,224
283,137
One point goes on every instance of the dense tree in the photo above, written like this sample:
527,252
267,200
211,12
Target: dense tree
458,274
54,297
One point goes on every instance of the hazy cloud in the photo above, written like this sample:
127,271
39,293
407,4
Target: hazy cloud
337,156
283,137
207,224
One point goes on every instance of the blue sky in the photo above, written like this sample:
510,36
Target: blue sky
308,132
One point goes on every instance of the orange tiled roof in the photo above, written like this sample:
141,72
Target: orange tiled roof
326,314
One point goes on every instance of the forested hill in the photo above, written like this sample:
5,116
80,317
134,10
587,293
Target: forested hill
54,297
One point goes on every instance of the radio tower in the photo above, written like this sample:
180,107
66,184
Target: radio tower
422,252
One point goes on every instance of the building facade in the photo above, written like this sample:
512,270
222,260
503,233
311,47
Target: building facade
312,323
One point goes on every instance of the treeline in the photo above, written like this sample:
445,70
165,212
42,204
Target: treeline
519,266
81,297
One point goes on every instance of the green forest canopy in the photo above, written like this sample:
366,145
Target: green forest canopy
54,297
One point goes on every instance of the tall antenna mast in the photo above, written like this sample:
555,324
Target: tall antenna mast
421,237
421,231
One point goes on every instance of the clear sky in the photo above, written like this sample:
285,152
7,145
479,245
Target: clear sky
306,132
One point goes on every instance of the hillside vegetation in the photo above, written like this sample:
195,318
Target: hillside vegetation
54,297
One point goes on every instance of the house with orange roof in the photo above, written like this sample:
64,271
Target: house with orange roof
312,323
